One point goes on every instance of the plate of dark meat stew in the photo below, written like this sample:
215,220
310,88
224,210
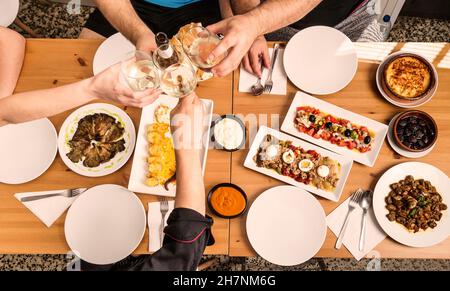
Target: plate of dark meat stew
411,204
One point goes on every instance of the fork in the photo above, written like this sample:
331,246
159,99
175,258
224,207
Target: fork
354,202
164,207
268,85
66,193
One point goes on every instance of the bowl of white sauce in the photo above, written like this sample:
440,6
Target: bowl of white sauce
228,133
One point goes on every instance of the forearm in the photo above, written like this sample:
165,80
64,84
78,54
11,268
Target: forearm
275,14
225,9
124,18
27,106
12,52
243,6
190,187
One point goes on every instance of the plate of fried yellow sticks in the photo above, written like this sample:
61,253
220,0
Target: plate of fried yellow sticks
154,165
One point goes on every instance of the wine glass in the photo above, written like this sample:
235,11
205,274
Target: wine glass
139,72
178,80
198,43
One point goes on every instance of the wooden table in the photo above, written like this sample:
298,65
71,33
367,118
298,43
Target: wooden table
50,63
362,97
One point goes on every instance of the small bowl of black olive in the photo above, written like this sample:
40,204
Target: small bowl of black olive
415,131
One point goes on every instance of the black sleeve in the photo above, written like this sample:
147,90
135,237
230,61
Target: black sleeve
187,235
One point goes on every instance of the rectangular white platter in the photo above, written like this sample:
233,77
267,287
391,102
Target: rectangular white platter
379,129
346,163
139,169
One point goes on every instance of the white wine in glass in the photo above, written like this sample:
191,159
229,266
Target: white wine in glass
178,80
139,71
198,44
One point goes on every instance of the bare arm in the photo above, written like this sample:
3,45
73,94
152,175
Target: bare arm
27,106
187,126
124,18
242,30
32,105
190,186
225,8
275,14
12,51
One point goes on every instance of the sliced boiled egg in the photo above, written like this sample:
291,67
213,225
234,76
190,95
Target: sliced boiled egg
288,157
305,165
323,171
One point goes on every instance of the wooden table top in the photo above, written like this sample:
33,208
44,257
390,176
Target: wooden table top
360,96
50,63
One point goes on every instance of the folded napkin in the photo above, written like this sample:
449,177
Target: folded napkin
246,80
154,224
48,210
374,233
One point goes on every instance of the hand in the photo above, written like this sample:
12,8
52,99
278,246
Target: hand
240,33
187,124
108,86
258,53
146,42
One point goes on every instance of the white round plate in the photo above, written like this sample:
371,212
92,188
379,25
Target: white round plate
111,52
397,231
399,150
71,124
9,10
26,150
286,225
105,224
320,60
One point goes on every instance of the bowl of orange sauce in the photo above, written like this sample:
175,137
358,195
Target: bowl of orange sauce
227,200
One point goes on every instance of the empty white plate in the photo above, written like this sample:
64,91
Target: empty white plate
423,238
286,225
320,60
111,52
26,150
9,10
105,224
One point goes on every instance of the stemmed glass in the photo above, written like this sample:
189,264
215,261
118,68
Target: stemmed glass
178,80
139,72
198,43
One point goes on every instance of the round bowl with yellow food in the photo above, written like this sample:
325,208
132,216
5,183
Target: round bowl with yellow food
407,79
227,200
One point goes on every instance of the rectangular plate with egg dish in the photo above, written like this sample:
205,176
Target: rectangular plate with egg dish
153,170
336,129
298,163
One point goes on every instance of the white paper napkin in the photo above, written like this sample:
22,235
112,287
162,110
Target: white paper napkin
154,224
246,80
374,233
48,210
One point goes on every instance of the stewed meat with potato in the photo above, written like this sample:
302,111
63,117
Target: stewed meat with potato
416,204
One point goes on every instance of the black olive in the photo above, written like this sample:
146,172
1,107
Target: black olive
328,124
412,139
347,132
367,139
312,118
